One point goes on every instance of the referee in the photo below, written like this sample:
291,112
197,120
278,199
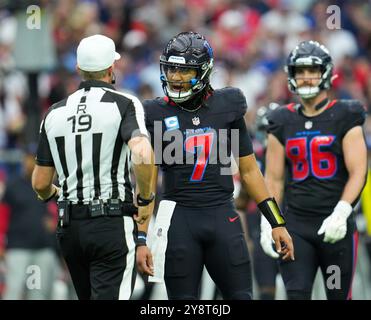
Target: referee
88,139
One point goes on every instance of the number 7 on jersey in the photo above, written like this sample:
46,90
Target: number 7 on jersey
205,142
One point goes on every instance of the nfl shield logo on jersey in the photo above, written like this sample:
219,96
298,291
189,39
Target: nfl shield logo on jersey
159,232
308,125
196,121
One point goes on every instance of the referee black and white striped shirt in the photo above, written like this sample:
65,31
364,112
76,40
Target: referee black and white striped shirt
85,138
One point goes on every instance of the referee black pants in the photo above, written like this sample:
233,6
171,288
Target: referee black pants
100,255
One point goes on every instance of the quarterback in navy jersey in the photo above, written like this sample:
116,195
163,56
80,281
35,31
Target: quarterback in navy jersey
184,181
316,161
194,130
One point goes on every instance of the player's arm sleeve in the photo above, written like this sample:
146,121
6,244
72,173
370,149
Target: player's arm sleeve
356,116
239,130
44,156
275,126
133,124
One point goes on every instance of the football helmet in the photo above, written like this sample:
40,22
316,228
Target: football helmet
187,50
309,53
261,122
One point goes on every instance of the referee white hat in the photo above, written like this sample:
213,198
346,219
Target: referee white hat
96,53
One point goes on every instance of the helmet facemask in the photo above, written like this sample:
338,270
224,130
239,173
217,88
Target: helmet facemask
318,57
187,50
198,83
261,122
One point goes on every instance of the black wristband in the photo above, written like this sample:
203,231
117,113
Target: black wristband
272,212
144,202
141,239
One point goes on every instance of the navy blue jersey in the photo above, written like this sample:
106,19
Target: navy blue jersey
315,170
194,148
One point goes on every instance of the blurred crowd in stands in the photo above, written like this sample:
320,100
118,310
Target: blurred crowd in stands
251,40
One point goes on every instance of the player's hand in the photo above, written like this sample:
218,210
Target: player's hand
266,240
144,260
283,243
143,214
335,226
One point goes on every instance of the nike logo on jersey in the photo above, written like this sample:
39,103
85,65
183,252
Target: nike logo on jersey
233,219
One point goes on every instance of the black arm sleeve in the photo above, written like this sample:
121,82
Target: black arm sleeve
44,155
245,147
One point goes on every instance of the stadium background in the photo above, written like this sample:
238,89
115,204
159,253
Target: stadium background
251,40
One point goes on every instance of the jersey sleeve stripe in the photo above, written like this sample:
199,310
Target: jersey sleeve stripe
114,166
97,143
139,111
79,173
139,115
60,143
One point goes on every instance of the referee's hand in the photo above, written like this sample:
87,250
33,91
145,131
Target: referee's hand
143,214
144,260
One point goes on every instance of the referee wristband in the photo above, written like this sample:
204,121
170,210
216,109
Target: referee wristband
272,212
141,239
144,202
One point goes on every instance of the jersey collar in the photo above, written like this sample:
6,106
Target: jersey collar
95,83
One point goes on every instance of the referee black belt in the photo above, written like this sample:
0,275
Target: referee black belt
91,211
